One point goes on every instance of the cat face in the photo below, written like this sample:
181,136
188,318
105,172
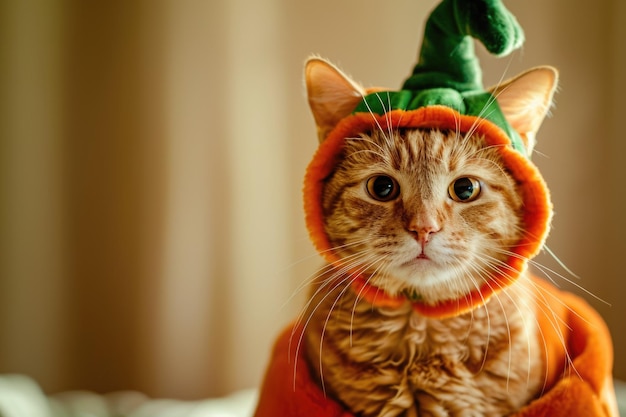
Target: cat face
427,213
444,218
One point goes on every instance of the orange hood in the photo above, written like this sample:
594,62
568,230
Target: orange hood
536,199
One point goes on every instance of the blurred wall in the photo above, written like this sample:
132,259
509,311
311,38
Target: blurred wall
151,155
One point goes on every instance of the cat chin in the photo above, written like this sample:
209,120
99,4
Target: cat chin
426,281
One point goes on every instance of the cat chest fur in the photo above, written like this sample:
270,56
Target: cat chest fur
393,362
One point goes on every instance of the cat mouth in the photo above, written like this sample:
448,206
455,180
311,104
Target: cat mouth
420,259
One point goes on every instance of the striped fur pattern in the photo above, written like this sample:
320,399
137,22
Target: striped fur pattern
429,214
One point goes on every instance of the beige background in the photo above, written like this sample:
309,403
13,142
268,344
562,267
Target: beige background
151,158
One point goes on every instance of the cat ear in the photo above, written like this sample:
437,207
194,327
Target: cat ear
332,94
526,99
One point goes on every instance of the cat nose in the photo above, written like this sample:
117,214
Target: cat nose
424,234
423,227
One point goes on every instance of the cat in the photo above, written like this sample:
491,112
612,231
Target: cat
428,214
427,209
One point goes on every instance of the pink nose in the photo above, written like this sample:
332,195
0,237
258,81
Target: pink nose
423,227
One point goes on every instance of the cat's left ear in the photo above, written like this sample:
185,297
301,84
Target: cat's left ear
526,99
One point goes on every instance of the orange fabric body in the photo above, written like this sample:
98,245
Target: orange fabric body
582,388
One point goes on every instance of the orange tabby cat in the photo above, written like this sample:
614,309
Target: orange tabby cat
429,214
427,209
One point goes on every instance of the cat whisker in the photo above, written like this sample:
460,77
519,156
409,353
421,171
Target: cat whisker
374,117
307,281
350,279
484,114
474,127
367,140
561,263
514,302
510,338
497,296
504,174
348,263
537,152
360,293
548,273
554,319
525,325
555,322
326,269
504,76
327,282
388,114
366,151
481,272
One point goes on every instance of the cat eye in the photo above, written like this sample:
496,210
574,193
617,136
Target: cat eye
464,189
382,188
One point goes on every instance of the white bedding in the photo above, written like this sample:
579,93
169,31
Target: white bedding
20,396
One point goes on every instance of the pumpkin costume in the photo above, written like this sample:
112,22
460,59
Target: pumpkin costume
445,92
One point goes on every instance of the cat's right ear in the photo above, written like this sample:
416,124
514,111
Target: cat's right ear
332,94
